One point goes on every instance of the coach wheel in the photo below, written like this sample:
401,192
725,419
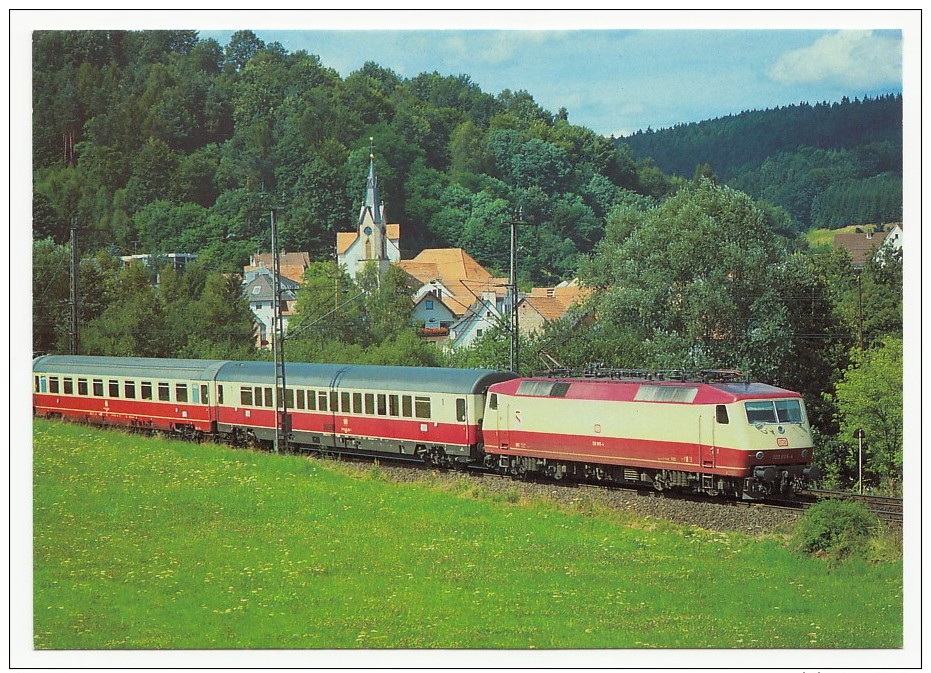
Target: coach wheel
658,484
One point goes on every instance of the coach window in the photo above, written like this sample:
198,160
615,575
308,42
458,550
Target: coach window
98,387
129,390
145,390
460,409
357,403
382,405
69,386
219,394
344,402
258,396
393,405
53,384
407,406
721,414
289,398
195,397
269,400
321,400
334,401
300,398
164,392
37,384
422,407
114,388
370,403
311,400
180,392
204,396
245,397
82,386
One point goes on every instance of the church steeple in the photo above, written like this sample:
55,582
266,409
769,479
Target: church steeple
372,203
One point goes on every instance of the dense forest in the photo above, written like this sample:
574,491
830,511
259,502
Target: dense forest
158,142
829,164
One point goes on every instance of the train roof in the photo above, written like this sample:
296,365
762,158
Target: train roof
155,368
638,390
414,379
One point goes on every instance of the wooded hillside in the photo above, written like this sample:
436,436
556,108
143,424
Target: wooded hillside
829,164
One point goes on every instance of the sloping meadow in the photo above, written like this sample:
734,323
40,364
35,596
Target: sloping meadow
149,543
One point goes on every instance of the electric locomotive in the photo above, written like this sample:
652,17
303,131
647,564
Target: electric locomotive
748,440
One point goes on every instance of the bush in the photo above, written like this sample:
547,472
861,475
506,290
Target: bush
835,529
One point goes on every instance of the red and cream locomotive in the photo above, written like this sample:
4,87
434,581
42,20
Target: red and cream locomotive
748,440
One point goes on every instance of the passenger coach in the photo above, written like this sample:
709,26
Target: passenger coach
432,413
145,393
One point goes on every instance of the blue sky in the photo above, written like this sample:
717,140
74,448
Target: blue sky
619,81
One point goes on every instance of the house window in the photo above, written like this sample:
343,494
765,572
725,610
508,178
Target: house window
429,305
478,332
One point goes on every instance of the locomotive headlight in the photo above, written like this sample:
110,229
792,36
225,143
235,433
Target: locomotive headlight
759,455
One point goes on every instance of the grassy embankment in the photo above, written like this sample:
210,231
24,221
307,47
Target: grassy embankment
146,543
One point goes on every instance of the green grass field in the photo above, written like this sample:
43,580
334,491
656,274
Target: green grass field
148,543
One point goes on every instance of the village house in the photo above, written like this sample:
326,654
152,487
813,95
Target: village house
546,304
863,246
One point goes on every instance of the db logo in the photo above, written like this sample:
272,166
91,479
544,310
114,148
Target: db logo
782,441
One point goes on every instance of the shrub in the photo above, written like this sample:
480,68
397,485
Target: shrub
835,529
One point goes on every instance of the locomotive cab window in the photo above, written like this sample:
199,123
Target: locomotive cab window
493,401
789,411
761,412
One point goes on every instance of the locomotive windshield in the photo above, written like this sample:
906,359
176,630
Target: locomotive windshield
775,411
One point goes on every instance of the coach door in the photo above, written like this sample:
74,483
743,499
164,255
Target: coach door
706,423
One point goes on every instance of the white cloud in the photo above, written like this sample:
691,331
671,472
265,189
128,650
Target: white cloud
855,58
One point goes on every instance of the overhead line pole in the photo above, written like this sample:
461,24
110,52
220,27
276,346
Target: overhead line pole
282,424
75,292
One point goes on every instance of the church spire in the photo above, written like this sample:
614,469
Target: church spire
372,202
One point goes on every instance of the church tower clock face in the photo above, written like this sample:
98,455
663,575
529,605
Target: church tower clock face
368,231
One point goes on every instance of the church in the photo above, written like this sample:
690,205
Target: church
374,240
